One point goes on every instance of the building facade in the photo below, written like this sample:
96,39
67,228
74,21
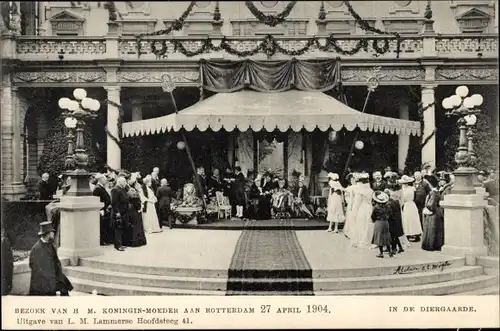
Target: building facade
422,49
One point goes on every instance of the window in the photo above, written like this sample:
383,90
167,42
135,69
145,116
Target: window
202,4
269,4
402,3
335,4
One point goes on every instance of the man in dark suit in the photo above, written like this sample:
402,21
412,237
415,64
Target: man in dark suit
422,189
155,179
45,188
378,183
47,277
164,195
201,178
101,192
119,211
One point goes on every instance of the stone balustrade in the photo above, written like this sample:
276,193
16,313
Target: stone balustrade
36,48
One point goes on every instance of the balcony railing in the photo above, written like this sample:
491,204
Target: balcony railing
35,48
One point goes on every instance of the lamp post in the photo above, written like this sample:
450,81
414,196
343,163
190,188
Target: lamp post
77,112
466,109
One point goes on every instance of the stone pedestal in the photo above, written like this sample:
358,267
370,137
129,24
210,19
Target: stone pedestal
188,211
463,226
80,227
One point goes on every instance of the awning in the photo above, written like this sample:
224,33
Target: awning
295,110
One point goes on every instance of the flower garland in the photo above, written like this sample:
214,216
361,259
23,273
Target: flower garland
201,216
270,20
270,46
367,27
175,26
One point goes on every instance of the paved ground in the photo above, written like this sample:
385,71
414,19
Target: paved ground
213,249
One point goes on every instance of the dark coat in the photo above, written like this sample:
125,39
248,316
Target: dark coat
155,183
7,264
395,218
164,195
379,186
302,193
422,189
103,195
46,190
119,205
46,271
203,183
239,190
214,185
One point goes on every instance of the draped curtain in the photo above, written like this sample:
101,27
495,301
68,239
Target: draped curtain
244,150
275,76
319,154
295,157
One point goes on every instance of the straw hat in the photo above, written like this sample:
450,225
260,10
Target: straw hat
406,179
380,197
389,174
364,175
333,176
98,176
45,227
377,173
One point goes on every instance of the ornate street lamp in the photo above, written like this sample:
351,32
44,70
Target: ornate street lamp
466,109
77,112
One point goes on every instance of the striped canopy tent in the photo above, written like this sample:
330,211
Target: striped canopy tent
292,109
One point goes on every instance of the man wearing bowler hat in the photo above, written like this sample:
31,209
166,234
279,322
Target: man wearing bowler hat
47,277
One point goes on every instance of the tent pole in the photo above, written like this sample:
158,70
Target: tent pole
349,157
188,151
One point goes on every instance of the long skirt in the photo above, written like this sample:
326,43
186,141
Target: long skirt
381,234
133,234
433,235
150,219
411,220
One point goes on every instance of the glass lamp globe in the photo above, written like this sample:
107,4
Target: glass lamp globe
73,105
79,94
63,103
455,100
87,103
477,99
95,105
462,91
470,119
70,122
447,104
359,145
469,103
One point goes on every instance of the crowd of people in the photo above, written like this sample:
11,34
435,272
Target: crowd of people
389,211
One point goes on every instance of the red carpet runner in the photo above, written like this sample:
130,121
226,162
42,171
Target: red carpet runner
269,262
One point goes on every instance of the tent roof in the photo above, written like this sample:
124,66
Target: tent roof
270,110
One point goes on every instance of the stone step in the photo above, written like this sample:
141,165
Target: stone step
220,284
110,289
492,290
488,262
422,267
443,288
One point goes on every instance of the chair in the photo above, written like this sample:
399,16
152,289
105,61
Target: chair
224,208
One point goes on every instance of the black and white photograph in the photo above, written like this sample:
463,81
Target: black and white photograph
249,148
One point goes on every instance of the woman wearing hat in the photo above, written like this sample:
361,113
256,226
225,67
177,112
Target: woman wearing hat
335,207
411,220
380,218
349,195
363,225
433,218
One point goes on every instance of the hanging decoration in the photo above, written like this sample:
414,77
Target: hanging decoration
270,20
181,145
175,26
367,27
270,46
359,145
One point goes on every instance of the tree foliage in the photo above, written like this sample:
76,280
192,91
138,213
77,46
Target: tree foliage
56,147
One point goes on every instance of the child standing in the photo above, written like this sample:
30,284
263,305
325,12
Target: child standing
335,209
380,218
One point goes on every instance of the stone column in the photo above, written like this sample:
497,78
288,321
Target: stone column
41,19
80,228
136,110
429,149
463,226
113,150
403,139
12,183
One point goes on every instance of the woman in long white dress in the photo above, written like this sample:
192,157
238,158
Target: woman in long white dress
149,215
335,209
349,195
411,219
363,233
